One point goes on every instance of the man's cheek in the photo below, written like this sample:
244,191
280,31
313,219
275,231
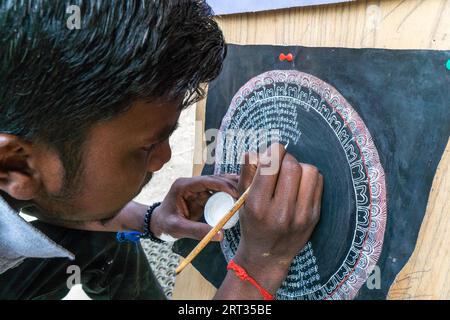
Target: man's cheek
137,168
133,180
52,171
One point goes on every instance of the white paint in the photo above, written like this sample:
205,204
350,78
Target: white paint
217,206
167,237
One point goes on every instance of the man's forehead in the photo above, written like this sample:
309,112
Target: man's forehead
161,119
143,122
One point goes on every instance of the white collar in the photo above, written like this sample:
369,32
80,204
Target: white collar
20,240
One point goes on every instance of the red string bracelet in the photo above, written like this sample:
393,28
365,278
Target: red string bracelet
242,274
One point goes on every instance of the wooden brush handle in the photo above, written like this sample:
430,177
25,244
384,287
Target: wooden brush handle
213,232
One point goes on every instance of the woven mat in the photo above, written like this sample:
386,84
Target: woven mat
163,262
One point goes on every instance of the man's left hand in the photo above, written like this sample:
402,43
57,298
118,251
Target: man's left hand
180,212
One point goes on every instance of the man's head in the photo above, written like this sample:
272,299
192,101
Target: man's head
85,115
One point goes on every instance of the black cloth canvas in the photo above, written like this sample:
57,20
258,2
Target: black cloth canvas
400,95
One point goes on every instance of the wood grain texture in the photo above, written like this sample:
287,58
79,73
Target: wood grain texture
395,24
427,273
190,285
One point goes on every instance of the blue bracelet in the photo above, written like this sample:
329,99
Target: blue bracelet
135,236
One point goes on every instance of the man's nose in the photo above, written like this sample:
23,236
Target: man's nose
161,155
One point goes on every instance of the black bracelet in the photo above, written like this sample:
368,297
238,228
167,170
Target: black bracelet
148,234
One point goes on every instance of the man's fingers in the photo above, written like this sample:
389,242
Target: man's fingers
230,176
318,198
267,172
231,179
194,230
288,181
248,171
213,183
306,192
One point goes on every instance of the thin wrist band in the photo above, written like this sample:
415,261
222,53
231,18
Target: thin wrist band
243,275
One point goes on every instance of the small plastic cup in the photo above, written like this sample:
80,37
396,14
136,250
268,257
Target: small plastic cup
217,206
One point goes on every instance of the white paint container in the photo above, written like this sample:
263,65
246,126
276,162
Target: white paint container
167,237
217,206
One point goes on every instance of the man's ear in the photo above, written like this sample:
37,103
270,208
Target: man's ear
18,177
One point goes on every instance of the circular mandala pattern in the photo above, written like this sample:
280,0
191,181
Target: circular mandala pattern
322,128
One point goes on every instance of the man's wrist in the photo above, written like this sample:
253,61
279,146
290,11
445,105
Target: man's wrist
267,271
149,221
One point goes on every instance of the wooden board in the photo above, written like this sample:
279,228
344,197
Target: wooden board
426,275
396,24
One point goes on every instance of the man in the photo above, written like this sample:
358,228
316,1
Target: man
85,119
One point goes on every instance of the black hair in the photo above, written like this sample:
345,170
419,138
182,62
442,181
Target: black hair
56,82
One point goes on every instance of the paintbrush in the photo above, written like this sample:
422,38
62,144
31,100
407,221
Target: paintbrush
202,244
213,231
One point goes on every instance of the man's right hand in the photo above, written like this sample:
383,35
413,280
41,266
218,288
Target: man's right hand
276,220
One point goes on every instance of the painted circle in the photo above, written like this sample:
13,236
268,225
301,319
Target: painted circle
315,118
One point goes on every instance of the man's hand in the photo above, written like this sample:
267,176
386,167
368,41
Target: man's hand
182,208
276,221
